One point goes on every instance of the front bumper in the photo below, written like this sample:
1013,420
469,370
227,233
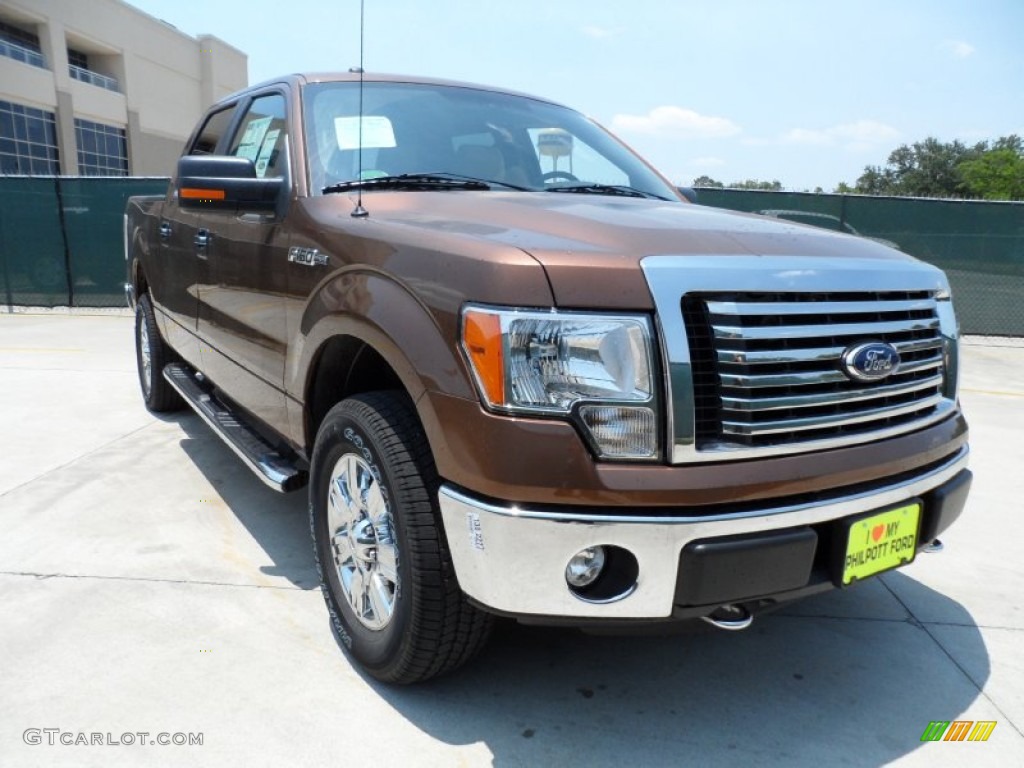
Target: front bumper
511,559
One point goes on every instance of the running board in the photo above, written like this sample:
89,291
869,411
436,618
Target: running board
273,468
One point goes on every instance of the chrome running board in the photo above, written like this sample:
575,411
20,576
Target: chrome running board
271,466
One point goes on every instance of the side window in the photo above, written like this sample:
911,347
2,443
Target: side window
262,137
214,127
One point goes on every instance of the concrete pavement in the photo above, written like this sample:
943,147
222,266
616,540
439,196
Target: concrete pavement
150,583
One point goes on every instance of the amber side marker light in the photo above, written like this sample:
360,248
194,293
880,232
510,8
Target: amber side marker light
202,194
481,337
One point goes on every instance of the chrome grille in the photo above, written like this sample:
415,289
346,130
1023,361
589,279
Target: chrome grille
766,366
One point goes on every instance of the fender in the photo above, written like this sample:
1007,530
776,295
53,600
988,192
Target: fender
371,306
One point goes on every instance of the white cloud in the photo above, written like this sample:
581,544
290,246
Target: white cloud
676,122
598,33
707,162
958,48
862,134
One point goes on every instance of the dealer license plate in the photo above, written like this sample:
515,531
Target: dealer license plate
880,542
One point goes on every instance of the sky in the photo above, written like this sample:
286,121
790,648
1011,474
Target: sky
806,92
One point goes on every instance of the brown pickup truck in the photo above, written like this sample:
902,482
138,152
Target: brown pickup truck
523,376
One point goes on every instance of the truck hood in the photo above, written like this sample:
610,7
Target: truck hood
591,245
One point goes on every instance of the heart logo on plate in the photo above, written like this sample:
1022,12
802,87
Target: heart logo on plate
877,531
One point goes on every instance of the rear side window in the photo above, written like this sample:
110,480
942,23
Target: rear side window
213,129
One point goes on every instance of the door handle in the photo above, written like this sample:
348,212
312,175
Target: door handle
165,230
203,237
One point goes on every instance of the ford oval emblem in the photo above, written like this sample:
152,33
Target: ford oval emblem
872,361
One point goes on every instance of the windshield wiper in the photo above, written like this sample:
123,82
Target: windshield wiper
411,181
488,182
604,189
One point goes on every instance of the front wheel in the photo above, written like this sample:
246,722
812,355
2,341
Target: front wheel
383,560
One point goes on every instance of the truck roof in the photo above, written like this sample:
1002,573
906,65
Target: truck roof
300,79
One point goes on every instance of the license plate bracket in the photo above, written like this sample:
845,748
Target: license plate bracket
878,541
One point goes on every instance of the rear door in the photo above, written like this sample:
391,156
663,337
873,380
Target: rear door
180,256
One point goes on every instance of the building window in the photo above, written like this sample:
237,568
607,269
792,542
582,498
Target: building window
21,45
102,149
78,68
78,59
28,141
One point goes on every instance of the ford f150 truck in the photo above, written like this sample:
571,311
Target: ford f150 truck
522,376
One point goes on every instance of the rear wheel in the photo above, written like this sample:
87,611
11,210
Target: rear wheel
384,565
151,355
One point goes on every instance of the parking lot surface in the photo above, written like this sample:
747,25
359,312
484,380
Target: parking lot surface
151,584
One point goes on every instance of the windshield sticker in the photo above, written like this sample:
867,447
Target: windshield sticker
377,132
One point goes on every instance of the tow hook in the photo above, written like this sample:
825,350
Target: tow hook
730,617
933,546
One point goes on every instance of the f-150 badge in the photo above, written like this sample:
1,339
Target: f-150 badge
311,257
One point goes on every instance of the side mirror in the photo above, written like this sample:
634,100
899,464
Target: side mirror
219,182
689,193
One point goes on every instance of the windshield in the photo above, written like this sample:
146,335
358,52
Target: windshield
511,142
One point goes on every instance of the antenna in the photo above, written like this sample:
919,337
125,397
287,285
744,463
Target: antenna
359,211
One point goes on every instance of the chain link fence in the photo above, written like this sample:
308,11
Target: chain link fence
61,239
979,244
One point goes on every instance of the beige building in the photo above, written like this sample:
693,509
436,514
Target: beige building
99,88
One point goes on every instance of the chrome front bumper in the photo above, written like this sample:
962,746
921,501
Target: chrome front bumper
512,559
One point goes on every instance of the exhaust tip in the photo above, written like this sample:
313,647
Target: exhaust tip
729,617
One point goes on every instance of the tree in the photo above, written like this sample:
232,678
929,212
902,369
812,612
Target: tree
997,175
771,186
928,168
707,181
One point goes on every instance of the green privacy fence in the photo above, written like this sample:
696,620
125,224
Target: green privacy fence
61,239
979,244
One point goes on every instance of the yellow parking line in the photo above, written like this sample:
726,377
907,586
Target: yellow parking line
992,392
43,350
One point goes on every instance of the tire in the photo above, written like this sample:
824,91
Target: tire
385,570
151,355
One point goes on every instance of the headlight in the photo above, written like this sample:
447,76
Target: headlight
550,362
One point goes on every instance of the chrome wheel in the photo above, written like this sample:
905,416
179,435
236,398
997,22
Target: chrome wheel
145,355
362,541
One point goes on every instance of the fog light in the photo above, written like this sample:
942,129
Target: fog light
584,567
622,432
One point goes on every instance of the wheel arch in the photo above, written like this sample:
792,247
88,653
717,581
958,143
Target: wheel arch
363,330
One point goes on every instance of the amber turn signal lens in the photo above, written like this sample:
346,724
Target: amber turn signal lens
481,336
192,193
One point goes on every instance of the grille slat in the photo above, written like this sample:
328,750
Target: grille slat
757,357
868,330
826,398
767,367
817,422
798,378
791,308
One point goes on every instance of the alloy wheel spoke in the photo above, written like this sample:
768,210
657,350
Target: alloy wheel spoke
380,598
387,565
